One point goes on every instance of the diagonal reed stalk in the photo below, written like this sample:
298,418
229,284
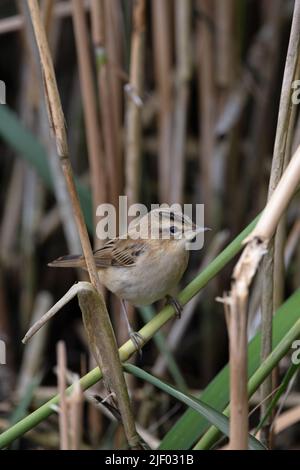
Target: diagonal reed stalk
108,349
256,380
127,350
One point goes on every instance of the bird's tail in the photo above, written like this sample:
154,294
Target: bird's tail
68,261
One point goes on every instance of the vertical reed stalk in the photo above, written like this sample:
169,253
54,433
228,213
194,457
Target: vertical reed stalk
76,401
133,111
63,406
236,318
114,38
108,124
207,103
94,140
183,76
224,43
163,69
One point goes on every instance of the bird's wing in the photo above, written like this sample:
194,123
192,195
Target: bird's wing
119,252
116,252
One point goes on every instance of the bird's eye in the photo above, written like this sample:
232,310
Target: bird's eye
173,229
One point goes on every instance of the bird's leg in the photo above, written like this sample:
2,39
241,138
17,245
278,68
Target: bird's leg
135,337
176,304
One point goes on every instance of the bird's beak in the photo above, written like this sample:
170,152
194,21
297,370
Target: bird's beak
198,229
195,230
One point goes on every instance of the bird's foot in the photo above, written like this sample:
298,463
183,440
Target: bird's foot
175,304
135,337
137,340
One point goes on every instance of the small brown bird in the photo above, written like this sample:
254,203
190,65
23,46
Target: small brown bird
145,269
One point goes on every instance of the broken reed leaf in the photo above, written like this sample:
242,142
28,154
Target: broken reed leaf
70,294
